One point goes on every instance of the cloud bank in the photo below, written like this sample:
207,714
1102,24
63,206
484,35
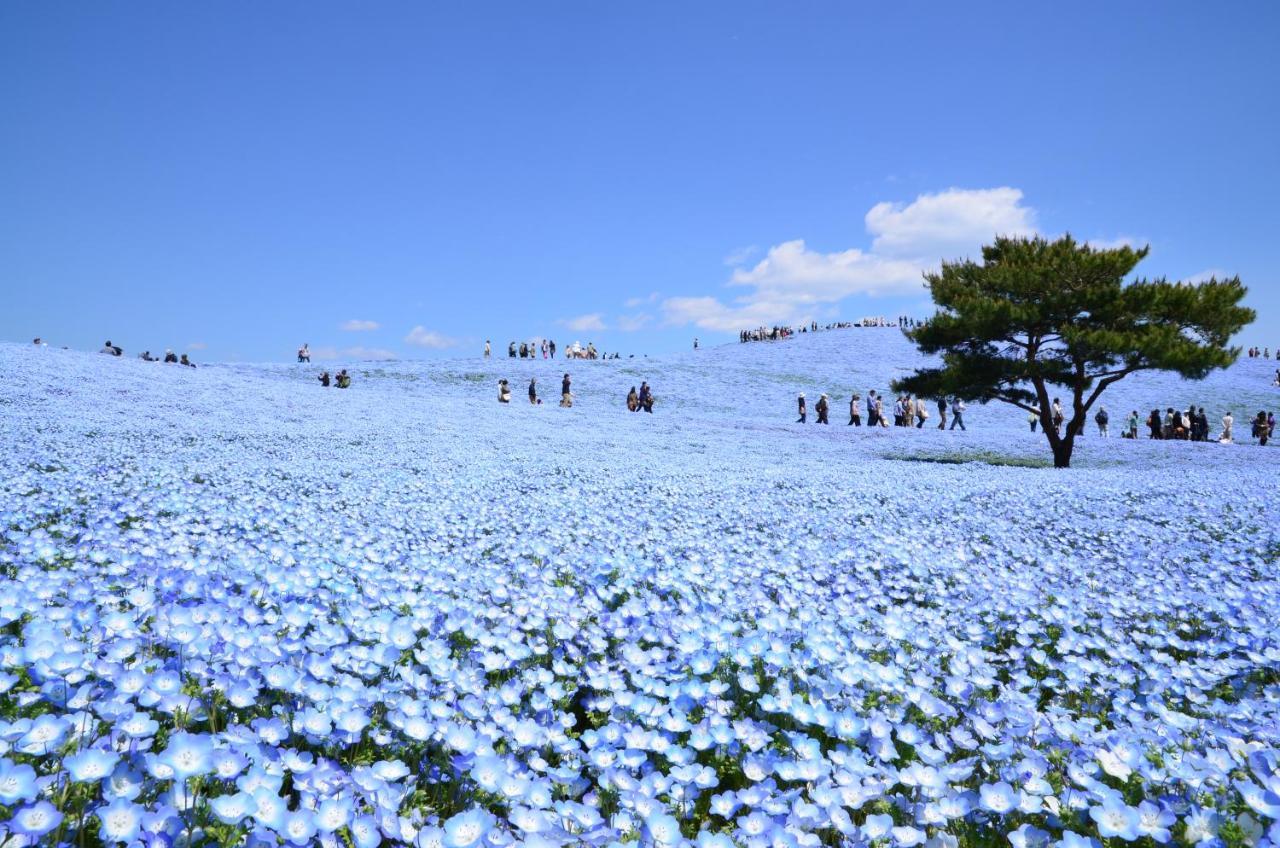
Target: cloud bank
355,325
793,282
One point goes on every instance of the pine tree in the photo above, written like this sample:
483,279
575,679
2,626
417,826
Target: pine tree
1037,313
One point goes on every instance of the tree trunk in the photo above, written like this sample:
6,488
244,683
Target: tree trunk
1062,450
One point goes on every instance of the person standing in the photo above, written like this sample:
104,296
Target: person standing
566,393
1057,416
804,412
552,346
487,349
1033,417
873,415
1227,421
1102,419
695,343
1131,426
957,414
633,400
922,412
855,413
533,390
942,413
645,398
821,408
1261,430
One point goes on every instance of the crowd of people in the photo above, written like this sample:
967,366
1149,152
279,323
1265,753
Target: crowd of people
907,411
637,400
546,349
1262,353
169,356
1191,425
341,380
778,332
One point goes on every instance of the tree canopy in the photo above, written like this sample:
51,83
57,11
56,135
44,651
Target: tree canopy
1036,313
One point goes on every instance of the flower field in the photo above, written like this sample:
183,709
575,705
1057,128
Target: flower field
240,609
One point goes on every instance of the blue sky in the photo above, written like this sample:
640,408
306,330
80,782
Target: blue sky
234,179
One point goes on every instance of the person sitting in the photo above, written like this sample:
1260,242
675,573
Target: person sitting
170,356
146,356
343,379
110,349
187,362
324,379
633,400
504,392
37,341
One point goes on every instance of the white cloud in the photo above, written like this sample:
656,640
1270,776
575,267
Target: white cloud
633,302
197,346
631,323
422,337
1117,242
1209,274
948,224
329,353
585,323
741,255
794,283
355,325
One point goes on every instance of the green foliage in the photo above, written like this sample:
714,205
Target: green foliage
1037,313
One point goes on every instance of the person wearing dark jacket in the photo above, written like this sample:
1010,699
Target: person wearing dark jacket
566,392
533,390
804,412
187,362
1154,422
633,400
646,397
822,408
170,356
324,379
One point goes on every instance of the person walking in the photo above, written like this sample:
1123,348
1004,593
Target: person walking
821,408
873,416
1261,430
645,398
922,413
551,345
633,400
1102,419
804,412
1131,426
957,414
566,393
942,413
855,412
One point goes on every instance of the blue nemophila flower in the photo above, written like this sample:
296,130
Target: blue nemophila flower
999,798
91,765
1115,819
469,828
120,821
35,820
17,783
